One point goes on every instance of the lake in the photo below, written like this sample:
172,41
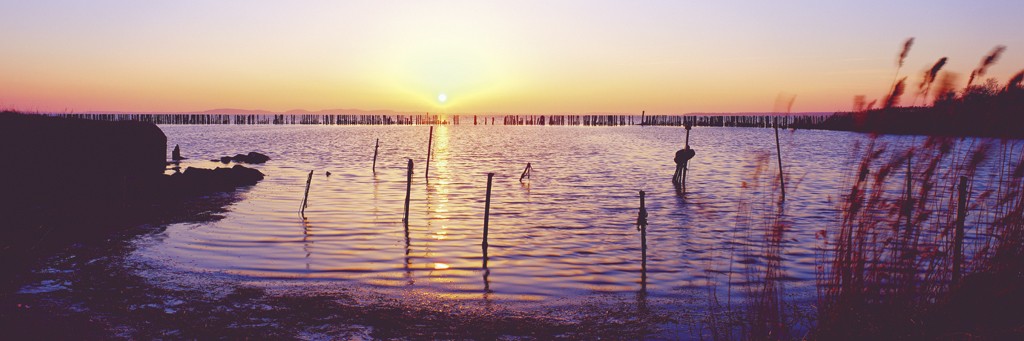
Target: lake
565,257
567,232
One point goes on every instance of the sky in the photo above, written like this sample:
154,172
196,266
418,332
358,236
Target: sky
662,57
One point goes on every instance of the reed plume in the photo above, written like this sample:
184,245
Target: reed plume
905,51
897,91
946,85
1016,81
930,76
899,61
990,59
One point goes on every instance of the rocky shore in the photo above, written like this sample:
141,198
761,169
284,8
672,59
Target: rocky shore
67,181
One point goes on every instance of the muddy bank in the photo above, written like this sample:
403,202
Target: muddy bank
96,293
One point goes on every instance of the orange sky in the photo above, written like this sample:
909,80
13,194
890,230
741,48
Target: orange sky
524,56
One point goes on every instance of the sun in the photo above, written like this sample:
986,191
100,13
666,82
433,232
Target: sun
442,97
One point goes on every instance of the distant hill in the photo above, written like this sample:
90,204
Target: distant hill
235,111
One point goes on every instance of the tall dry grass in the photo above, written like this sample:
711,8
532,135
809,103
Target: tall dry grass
986,62
888,267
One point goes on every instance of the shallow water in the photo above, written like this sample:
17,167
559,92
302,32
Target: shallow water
569,231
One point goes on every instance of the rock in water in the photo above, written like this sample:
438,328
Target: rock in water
252,158
176,154
200,180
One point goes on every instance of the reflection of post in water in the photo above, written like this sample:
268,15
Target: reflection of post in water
641,224
376,197
958,236
408,257
306,242
487,282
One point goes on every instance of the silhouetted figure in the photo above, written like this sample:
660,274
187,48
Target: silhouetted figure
328,173
176,154
683,157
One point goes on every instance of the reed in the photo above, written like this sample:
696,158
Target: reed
986,62
899,258
1015,83
929,78
894,97
904,51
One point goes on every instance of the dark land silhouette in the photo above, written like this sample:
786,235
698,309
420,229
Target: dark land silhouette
65,180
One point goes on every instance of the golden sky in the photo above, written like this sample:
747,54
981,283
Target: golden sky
510,56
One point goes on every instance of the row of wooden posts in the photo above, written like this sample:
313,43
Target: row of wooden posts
801,121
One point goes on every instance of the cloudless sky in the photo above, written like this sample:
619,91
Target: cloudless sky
508,56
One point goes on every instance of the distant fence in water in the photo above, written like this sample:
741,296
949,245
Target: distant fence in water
802,121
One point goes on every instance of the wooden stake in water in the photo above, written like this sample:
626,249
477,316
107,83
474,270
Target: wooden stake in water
778,150
408,191
526,172
641,224
958,238
686,165
487,214
908,205
305,198
375,146
430,142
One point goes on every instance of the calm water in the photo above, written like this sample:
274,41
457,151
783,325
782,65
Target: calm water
566,233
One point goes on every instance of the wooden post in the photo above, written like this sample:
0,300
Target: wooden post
305,198
778,150
641,224
526,172
687,164
958,238
642,114
430,142
375,146
408,190
487,214
908,205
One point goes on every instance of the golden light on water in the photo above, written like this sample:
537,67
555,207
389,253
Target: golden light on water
441,266
441,235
